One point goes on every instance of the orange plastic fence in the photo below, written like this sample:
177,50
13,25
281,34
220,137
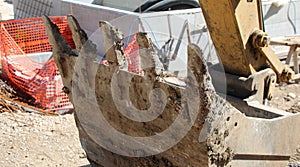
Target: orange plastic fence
133,56
42,81
39,80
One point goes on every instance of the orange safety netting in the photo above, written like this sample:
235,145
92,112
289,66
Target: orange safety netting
133,56
42,81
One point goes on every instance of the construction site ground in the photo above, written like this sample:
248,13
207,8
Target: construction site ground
36,138
31,139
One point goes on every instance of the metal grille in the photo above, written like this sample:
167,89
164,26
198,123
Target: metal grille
32,8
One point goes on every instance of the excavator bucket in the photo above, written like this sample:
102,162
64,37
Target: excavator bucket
156,119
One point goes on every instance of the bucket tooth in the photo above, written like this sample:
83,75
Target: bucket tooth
113,42
56,39
150,62
79,36
63,54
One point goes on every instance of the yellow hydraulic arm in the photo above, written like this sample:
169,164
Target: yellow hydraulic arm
236,29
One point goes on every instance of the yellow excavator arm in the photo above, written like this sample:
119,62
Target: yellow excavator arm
236,29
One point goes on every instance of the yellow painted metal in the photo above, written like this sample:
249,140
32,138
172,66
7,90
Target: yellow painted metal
231,24
284,72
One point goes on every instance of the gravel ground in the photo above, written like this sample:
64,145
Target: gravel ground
38,140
